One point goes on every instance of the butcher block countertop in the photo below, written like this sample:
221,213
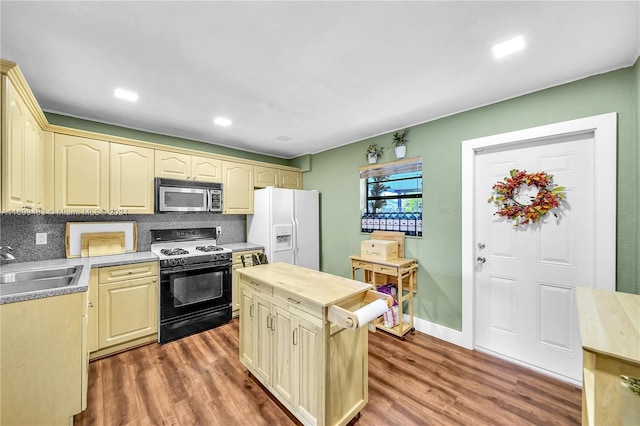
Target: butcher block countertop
317,287
610,323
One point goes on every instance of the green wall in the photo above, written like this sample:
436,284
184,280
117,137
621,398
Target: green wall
108,129
334,173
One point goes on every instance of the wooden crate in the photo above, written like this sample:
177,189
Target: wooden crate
379,249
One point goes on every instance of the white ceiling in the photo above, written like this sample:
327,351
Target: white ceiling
316,74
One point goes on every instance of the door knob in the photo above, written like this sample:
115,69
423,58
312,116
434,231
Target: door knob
480,259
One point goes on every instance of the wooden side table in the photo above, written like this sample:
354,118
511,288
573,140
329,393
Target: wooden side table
403,273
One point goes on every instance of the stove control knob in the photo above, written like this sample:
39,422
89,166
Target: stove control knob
183,261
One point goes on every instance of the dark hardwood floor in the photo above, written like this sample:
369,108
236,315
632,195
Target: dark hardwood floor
199,380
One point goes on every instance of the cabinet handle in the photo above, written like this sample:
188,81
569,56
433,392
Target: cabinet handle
269,321
251,311
130,271
295,341
292,300
90,304
273,323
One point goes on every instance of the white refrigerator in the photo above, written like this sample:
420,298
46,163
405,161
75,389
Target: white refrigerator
286,222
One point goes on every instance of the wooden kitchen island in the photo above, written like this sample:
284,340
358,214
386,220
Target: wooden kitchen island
316,368
610,332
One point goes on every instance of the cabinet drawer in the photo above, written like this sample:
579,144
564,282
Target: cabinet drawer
382,269
127,272
247,257
362,265
297,303
257,286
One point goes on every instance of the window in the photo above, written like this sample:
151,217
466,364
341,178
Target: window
391,197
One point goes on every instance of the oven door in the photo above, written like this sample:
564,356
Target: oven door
185,292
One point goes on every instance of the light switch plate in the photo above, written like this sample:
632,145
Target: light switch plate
41,238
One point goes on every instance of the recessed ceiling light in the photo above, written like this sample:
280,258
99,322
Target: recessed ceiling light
222,121
508,47
126,95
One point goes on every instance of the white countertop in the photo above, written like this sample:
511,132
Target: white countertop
82,284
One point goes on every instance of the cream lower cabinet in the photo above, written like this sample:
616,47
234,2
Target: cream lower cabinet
237,190
126,298
42,362
282,346
235,278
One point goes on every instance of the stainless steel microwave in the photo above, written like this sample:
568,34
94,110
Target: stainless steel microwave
185,196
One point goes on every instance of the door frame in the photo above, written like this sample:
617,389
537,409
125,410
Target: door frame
604,130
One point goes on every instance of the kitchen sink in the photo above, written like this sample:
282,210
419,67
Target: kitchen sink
38,274
41,279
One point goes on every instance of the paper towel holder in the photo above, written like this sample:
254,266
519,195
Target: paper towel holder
347,319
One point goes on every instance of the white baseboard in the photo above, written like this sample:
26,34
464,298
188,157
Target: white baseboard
436,330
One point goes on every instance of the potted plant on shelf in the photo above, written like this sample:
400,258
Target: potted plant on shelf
399,142
373,152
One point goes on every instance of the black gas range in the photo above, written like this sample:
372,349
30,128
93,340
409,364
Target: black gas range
195,281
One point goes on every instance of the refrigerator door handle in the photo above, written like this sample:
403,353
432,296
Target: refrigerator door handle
295,238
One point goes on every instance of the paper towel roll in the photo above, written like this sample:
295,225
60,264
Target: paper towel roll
369,312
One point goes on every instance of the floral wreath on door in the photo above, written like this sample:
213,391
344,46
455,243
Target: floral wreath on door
526,197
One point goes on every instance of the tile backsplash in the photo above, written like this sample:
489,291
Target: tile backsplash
19,231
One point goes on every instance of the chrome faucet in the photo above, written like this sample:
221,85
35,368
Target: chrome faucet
6,256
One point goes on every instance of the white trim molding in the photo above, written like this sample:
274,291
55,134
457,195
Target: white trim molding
604,129
436,330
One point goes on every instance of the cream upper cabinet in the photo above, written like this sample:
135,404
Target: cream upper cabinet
131,178
205,169
81,173
280,178
174,165
265,176
290,179
237,188
22,142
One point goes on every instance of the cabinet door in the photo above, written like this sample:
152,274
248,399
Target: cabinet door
290,179
265,176
13,152
128,310
92,312
131,178
283,354
308,369
206,169
33,140
81,173
238,188
247,326
263,336
172,165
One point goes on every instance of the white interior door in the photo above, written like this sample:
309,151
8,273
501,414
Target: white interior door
525,289
523,295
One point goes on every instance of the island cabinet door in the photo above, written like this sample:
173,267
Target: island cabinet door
308,370
262,339
283,354
247,323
